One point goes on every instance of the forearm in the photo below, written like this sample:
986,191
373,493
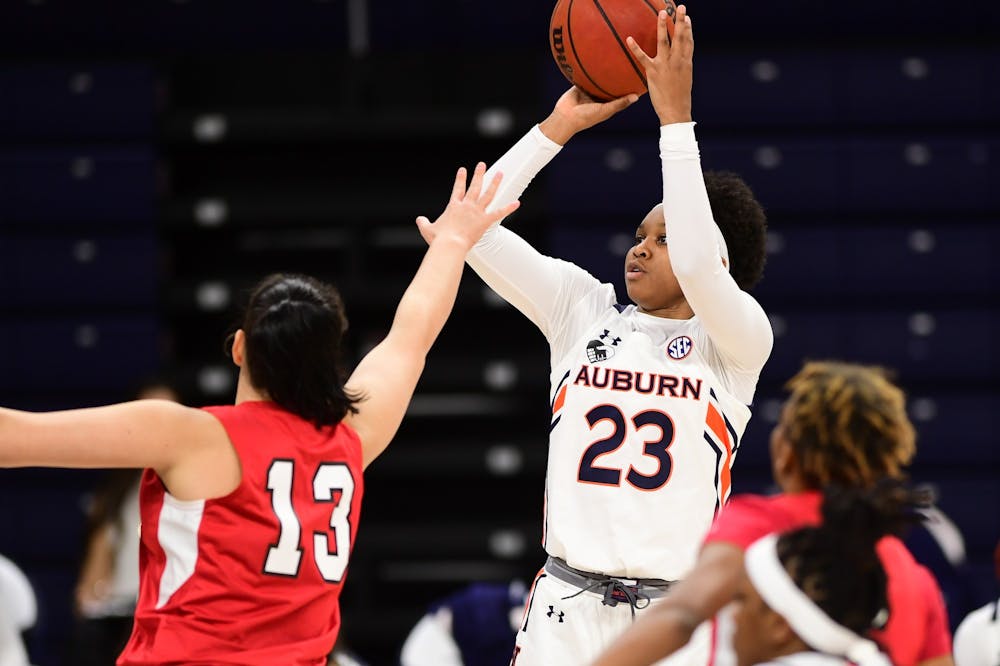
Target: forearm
520,164
656,634
691,230
430,297
734,321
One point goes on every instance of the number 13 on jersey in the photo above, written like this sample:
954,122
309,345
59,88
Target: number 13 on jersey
285,557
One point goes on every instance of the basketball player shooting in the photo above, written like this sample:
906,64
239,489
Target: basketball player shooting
649,399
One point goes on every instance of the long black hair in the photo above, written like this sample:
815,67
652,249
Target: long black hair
836,563
294,327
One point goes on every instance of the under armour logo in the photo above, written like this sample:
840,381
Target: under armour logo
553,611
606,335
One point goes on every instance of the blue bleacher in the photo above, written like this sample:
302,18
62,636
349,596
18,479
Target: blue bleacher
775,87
920,173
79,280
916,85
106,185
922,261
821,174
95,351
950,347
79,102
73,271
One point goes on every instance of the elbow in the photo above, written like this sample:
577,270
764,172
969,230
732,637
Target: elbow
690,264
691,272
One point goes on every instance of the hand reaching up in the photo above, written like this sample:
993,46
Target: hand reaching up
669,71
465,219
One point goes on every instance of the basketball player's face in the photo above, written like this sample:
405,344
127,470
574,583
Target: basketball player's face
754,625
649,277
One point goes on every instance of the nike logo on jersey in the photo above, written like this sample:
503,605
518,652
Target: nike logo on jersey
640,382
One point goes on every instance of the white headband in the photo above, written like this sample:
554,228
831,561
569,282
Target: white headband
807,619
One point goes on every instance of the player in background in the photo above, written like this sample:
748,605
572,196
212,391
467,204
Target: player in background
842,424
649,401
473,626
977,638
249,511
809,596
18,613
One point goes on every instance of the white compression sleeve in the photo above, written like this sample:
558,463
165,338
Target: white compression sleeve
540,287
733,319
520,165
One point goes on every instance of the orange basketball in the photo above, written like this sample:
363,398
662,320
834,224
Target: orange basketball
587,38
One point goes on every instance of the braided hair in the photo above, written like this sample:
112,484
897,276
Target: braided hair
847,424
836,565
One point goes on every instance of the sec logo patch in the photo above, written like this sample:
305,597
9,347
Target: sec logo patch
679,347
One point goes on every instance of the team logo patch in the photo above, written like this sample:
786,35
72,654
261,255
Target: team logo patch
602,348
679,347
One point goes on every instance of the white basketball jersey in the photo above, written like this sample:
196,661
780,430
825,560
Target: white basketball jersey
643,437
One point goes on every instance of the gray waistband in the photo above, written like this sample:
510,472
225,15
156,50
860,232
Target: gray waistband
651,588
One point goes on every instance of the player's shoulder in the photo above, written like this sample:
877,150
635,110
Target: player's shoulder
747,518
777,502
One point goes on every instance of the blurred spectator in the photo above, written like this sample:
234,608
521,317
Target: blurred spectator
108,585
18,613
977,639
342,655
475,626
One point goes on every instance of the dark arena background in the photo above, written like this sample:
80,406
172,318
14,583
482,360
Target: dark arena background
157,157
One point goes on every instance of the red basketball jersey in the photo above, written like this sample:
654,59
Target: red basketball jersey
254,577
918,622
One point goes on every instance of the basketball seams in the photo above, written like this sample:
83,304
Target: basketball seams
576,56
621,43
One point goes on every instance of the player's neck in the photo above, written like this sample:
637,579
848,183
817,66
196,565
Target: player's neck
679,310
247,392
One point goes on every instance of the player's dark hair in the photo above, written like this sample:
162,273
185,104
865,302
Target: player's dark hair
294,326
835,564
847,424
743,223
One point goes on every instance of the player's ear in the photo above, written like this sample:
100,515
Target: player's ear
239,347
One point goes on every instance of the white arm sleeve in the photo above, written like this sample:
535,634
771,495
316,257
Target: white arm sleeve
520,165
733,319
541,287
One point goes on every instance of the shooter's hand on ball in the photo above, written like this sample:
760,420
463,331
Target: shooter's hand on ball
669,70
575,111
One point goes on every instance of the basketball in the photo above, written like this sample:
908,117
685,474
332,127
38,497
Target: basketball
587,38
